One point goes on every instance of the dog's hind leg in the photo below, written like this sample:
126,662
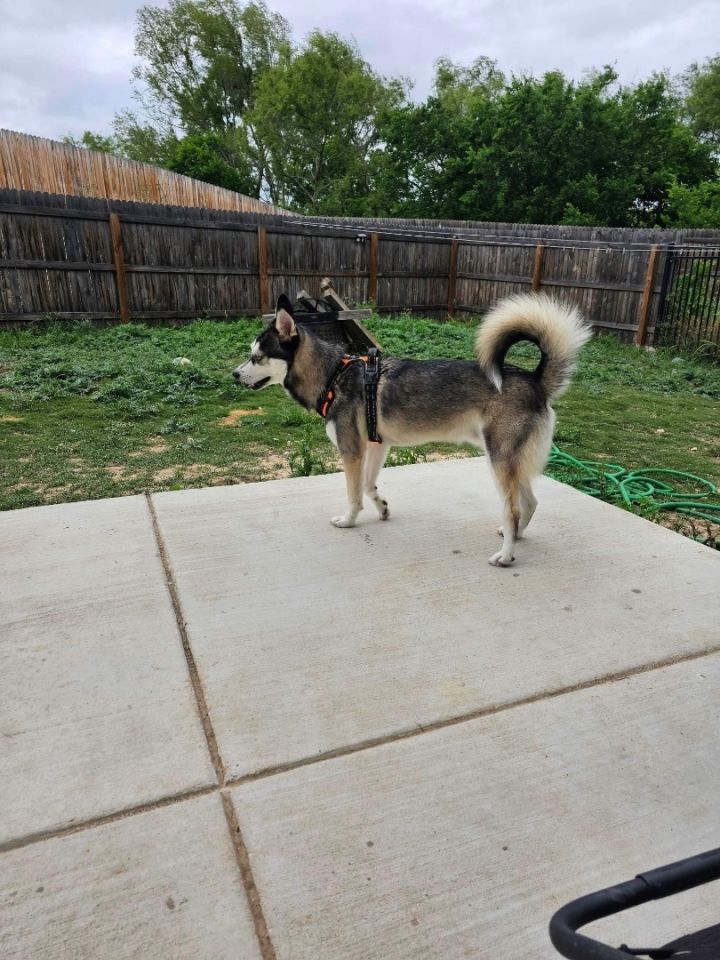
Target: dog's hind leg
375,456
528,505
507,482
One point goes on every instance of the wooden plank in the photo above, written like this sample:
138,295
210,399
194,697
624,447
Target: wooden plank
263,269
646,299
355,315
579,284
282,272
354,326
413,308
373,267
191,271
119,260
56,265
18,319
537,267
331,296
452,277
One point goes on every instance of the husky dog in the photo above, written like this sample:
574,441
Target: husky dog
499,408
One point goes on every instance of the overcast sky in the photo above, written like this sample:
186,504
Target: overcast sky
65,64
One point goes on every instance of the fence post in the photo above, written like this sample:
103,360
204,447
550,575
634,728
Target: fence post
646,299
119,261
263,270
452,276
537,267
373,267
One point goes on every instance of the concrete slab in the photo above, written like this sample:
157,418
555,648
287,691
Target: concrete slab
161,885
463,842
309,638
96,709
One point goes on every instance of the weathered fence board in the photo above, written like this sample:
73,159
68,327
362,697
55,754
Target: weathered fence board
34,163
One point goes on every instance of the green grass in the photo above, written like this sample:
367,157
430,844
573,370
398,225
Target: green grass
91,412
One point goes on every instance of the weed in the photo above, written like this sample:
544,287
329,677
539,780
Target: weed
175,426
403,456
304,459
295,417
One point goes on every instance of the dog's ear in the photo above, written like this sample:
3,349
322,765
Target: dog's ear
284,320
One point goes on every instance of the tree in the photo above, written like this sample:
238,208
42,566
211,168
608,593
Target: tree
696,207
206,157
541,150
702,99
92,141
658,148
201,60
424,169
316,113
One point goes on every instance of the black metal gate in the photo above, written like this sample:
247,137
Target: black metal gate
689,308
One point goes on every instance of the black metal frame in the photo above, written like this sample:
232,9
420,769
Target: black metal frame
689,306
653,885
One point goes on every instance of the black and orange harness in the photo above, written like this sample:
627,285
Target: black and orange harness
371,362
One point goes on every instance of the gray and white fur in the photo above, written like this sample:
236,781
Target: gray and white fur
500,408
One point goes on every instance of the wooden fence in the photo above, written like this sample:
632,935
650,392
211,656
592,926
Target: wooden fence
34,163
101,259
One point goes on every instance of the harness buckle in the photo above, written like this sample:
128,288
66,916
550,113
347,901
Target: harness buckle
372,366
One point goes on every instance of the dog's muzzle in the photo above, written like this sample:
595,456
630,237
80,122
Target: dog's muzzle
244,376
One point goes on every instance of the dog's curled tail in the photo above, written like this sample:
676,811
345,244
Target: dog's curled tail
556,328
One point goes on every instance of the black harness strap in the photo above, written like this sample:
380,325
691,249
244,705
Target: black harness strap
371,362
372,375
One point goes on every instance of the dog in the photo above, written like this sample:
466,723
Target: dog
502,409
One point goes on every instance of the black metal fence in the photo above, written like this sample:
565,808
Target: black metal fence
689,309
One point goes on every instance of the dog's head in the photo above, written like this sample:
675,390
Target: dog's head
272,352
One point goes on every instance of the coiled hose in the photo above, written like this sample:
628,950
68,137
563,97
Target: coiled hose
652,488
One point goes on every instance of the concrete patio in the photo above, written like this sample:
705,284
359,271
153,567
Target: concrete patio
230,730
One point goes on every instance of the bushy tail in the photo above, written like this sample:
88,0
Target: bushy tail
556,328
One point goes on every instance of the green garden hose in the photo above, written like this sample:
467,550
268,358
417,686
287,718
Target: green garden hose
639,488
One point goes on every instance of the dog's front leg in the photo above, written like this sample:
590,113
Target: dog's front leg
353,466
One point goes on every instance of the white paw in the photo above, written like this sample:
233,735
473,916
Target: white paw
501,533
497,560
343,521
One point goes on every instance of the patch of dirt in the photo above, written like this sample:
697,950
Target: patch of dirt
162,476
54,494
434,455
703,530
10,419
116,470
157,446
275,466
195,470
234,415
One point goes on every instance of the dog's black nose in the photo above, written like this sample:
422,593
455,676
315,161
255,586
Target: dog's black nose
236,375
